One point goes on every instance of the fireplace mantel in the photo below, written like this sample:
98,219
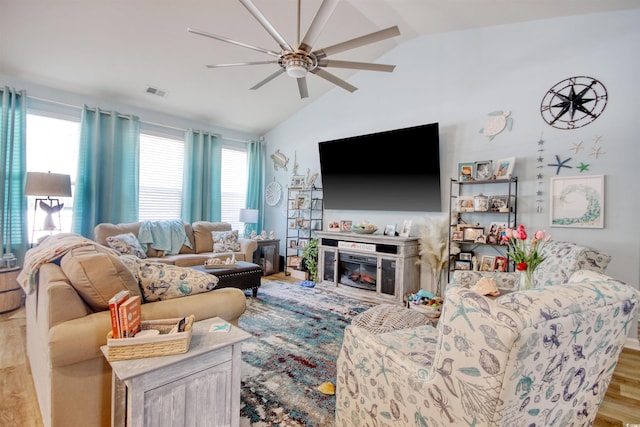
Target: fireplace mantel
394,259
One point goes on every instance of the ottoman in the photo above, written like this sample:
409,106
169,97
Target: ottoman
244,275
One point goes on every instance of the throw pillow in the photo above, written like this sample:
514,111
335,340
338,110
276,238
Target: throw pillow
97,275
225,241
126,244
159,281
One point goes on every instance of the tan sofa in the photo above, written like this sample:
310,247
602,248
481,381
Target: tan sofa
198,233
68,321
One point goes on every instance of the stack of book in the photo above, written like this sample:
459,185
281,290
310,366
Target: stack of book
126,315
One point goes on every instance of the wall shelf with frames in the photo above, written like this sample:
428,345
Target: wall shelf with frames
479,211
304,218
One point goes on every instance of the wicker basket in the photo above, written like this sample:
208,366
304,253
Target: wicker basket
150,346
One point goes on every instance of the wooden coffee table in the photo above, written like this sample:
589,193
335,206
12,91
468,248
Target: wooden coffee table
245,275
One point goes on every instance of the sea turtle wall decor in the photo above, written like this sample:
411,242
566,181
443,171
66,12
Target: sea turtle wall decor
496,123
279,160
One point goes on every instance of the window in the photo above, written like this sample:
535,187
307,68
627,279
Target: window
52,146
161,165
234,185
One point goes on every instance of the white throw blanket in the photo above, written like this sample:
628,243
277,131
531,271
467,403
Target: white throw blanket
50,249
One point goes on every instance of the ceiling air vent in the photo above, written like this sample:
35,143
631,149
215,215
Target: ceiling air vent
156,91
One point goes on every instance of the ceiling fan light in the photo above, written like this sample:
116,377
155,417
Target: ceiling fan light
297,68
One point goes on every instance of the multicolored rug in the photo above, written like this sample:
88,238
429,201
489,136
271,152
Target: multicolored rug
297,334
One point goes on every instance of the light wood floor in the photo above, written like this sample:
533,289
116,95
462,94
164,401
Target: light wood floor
19,408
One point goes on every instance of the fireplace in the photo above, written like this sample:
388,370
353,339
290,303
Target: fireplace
358,271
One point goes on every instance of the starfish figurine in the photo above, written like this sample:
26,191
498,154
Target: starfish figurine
597,139
583,167
540,159
560,164
541,141
596,151
539,176
576,147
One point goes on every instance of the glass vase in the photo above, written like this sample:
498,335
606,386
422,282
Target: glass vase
526,280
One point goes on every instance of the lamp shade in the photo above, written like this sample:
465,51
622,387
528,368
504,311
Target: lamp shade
249,215
48,184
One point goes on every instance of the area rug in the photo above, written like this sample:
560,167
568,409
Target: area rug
297,333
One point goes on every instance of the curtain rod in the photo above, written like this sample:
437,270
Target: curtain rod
64,104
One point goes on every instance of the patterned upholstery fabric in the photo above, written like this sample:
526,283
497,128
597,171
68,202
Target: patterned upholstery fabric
562,259
389,317
531,358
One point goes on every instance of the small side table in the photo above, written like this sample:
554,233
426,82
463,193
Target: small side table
268,256
199,387
11,294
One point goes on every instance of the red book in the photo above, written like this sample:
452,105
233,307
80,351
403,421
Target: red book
114,304
131,317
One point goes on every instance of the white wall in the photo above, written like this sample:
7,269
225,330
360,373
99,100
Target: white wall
456,79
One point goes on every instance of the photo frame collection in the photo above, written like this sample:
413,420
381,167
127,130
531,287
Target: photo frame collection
486,170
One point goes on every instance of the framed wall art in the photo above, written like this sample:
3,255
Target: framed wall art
577,201
503,168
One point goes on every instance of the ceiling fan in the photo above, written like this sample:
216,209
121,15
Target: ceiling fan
299,59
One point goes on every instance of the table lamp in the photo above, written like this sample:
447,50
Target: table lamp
47,187
249,217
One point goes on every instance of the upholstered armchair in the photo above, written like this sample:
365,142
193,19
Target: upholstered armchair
562,259
528,358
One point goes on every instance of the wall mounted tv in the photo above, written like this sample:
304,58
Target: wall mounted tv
385,171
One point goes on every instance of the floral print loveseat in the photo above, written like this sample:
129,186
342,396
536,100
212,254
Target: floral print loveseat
539,357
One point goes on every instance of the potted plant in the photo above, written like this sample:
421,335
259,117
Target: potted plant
310,259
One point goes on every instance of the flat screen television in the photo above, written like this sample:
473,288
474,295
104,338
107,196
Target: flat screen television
396,170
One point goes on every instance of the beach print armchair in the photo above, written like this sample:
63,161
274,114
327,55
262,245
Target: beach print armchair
528,358
562,259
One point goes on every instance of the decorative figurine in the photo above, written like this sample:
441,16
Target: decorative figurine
474,262
272,235
254,235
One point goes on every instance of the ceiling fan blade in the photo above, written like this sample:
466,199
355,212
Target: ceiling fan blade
356,65
334,79
239,64
266,24
268,79
224,39
302,87
358,41
317,25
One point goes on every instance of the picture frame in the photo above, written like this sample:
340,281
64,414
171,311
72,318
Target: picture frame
334,226
483,170
481,238
499,203
466,171
577,201
470,234
465,204
301,201
302,243
406,228
389,230
345,225
465,256
500,264
294,261
503,168
312,180
462,265
487,263
297,182
456,236
293,243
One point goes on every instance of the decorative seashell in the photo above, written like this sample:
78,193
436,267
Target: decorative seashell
486,286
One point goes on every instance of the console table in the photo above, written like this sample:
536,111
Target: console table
373,267
199,387
267,255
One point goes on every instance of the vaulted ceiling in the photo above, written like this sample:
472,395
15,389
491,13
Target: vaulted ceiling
116,49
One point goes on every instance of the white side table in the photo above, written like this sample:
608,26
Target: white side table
182,389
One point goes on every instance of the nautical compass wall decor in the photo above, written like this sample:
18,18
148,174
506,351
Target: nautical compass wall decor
574,102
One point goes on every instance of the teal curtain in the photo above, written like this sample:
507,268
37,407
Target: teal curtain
13,172
108,165
256,167
201,178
